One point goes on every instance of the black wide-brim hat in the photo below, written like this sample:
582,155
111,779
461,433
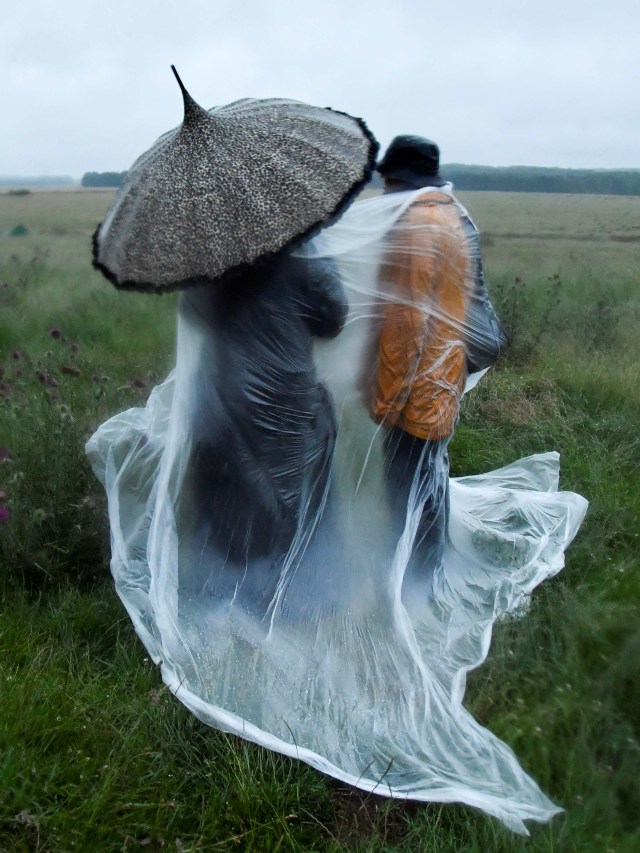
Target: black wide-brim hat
412,160
229,188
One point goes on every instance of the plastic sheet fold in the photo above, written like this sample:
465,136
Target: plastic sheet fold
285,534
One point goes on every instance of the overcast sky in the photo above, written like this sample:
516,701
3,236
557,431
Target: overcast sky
86,84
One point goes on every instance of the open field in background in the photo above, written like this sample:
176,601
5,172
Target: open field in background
94,752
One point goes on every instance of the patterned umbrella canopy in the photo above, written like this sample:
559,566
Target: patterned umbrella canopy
229,187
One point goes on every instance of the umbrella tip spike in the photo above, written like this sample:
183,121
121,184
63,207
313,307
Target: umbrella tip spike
192,110
180,83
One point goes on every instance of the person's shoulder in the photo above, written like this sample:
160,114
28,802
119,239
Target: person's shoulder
432,206
433,196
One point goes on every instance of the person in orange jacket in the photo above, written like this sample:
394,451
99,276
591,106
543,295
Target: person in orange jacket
427,281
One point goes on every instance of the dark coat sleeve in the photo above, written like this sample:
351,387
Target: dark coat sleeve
322,300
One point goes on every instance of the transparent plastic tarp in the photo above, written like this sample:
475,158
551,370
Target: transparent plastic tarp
285,534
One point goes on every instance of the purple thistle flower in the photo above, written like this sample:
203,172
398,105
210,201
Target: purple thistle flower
5,514
17,354
4,453
55,332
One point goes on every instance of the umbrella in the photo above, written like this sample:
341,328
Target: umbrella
230,187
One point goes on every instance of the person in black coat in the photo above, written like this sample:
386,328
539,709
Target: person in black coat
263,426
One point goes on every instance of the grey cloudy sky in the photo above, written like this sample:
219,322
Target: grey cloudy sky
86,84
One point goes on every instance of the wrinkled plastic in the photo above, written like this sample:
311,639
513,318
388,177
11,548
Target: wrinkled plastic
302,565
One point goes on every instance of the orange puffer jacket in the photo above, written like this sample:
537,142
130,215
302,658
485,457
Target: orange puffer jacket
427,278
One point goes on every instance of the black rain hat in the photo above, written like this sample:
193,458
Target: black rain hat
413,160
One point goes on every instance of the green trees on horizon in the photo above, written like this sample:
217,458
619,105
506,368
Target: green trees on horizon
464,177
102,179
541,179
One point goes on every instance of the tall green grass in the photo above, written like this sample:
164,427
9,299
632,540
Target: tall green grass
94,751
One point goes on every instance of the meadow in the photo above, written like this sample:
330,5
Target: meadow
96,754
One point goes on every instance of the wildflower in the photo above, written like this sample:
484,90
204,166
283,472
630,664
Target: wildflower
17,354
4,453
69,370
5,514
4,388
55,332
48,379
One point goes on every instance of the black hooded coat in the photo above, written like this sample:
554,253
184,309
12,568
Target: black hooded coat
263,426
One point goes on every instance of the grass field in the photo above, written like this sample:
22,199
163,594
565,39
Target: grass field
94,751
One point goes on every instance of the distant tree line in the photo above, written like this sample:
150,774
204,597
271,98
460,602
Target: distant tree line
536,179
102,179
36,181
532,179
507,178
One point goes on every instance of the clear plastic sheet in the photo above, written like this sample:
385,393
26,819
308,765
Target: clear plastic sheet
285,535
